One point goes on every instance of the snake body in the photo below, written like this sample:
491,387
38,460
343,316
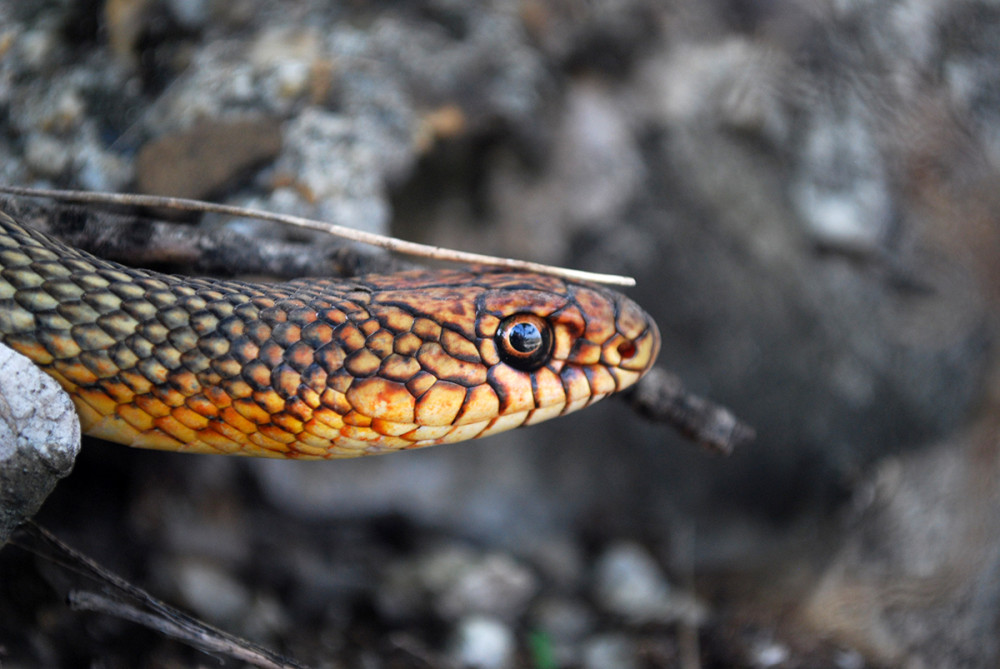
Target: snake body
312,368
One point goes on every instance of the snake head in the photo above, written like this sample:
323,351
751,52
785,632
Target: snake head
554,347
513,349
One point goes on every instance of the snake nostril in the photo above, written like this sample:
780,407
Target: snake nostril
626,350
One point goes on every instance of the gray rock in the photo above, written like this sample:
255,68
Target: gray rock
611,651
39,438
483,643
629,583
458,583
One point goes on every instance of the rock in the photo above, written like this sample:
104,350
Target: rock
198,162
39,438
483,643
611,651
629,583
458,583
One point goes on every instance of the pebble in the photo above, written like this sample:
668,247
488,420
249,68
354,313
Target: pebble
769,654
483,643
210,590
629,583
46,155
192,14
494,584
458,583
610,651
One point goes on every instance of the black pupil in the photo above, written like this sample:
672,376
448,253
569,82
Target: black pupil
525,337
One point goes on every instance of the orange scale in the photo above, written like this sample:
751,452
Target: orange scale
228,431
75,372
288,423
505,422
381,398
99,363
336,402
300,355
296,408
276,433
238,388
158,440
389,428
191,419
513,387
136,381
317,333
575,383
219,442
176,429
601,380
427,432
252,411
335,316
311,398
201,405
420,383
172,398
152,405
270,401
185,382
218,398
312,440
357,419
481,403
267,443
321,430
233,418
99,401
135,417
539,415
310,446
257,374
118,391
548,389
286,380
340,381
463,432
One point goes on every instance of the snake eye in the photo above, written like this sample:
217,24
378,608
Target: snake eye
524,341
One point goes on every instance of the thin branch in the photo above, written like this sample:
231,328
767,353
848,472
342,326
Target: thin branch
381,241
140,242
135,604
199,636
661,396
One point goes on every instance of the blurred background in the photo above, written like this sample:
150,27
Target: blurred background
806,193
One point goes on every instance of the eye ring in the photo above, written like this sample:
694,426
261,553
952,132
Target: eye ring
524,341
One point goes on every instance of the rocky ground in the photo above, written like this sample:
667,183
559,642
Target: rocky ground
806,193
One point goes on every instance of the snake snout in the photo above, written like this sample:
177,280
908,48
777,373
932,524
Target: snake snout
633,349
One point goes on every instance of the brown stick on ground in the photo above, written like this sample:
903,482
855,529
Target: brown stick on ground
130,602
661,396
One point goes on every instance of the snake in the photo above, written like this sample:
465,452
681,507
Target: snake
315,368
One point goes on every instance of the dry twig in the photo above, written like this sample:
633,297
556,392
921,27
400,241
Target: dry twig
388,243
661,396
132,603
